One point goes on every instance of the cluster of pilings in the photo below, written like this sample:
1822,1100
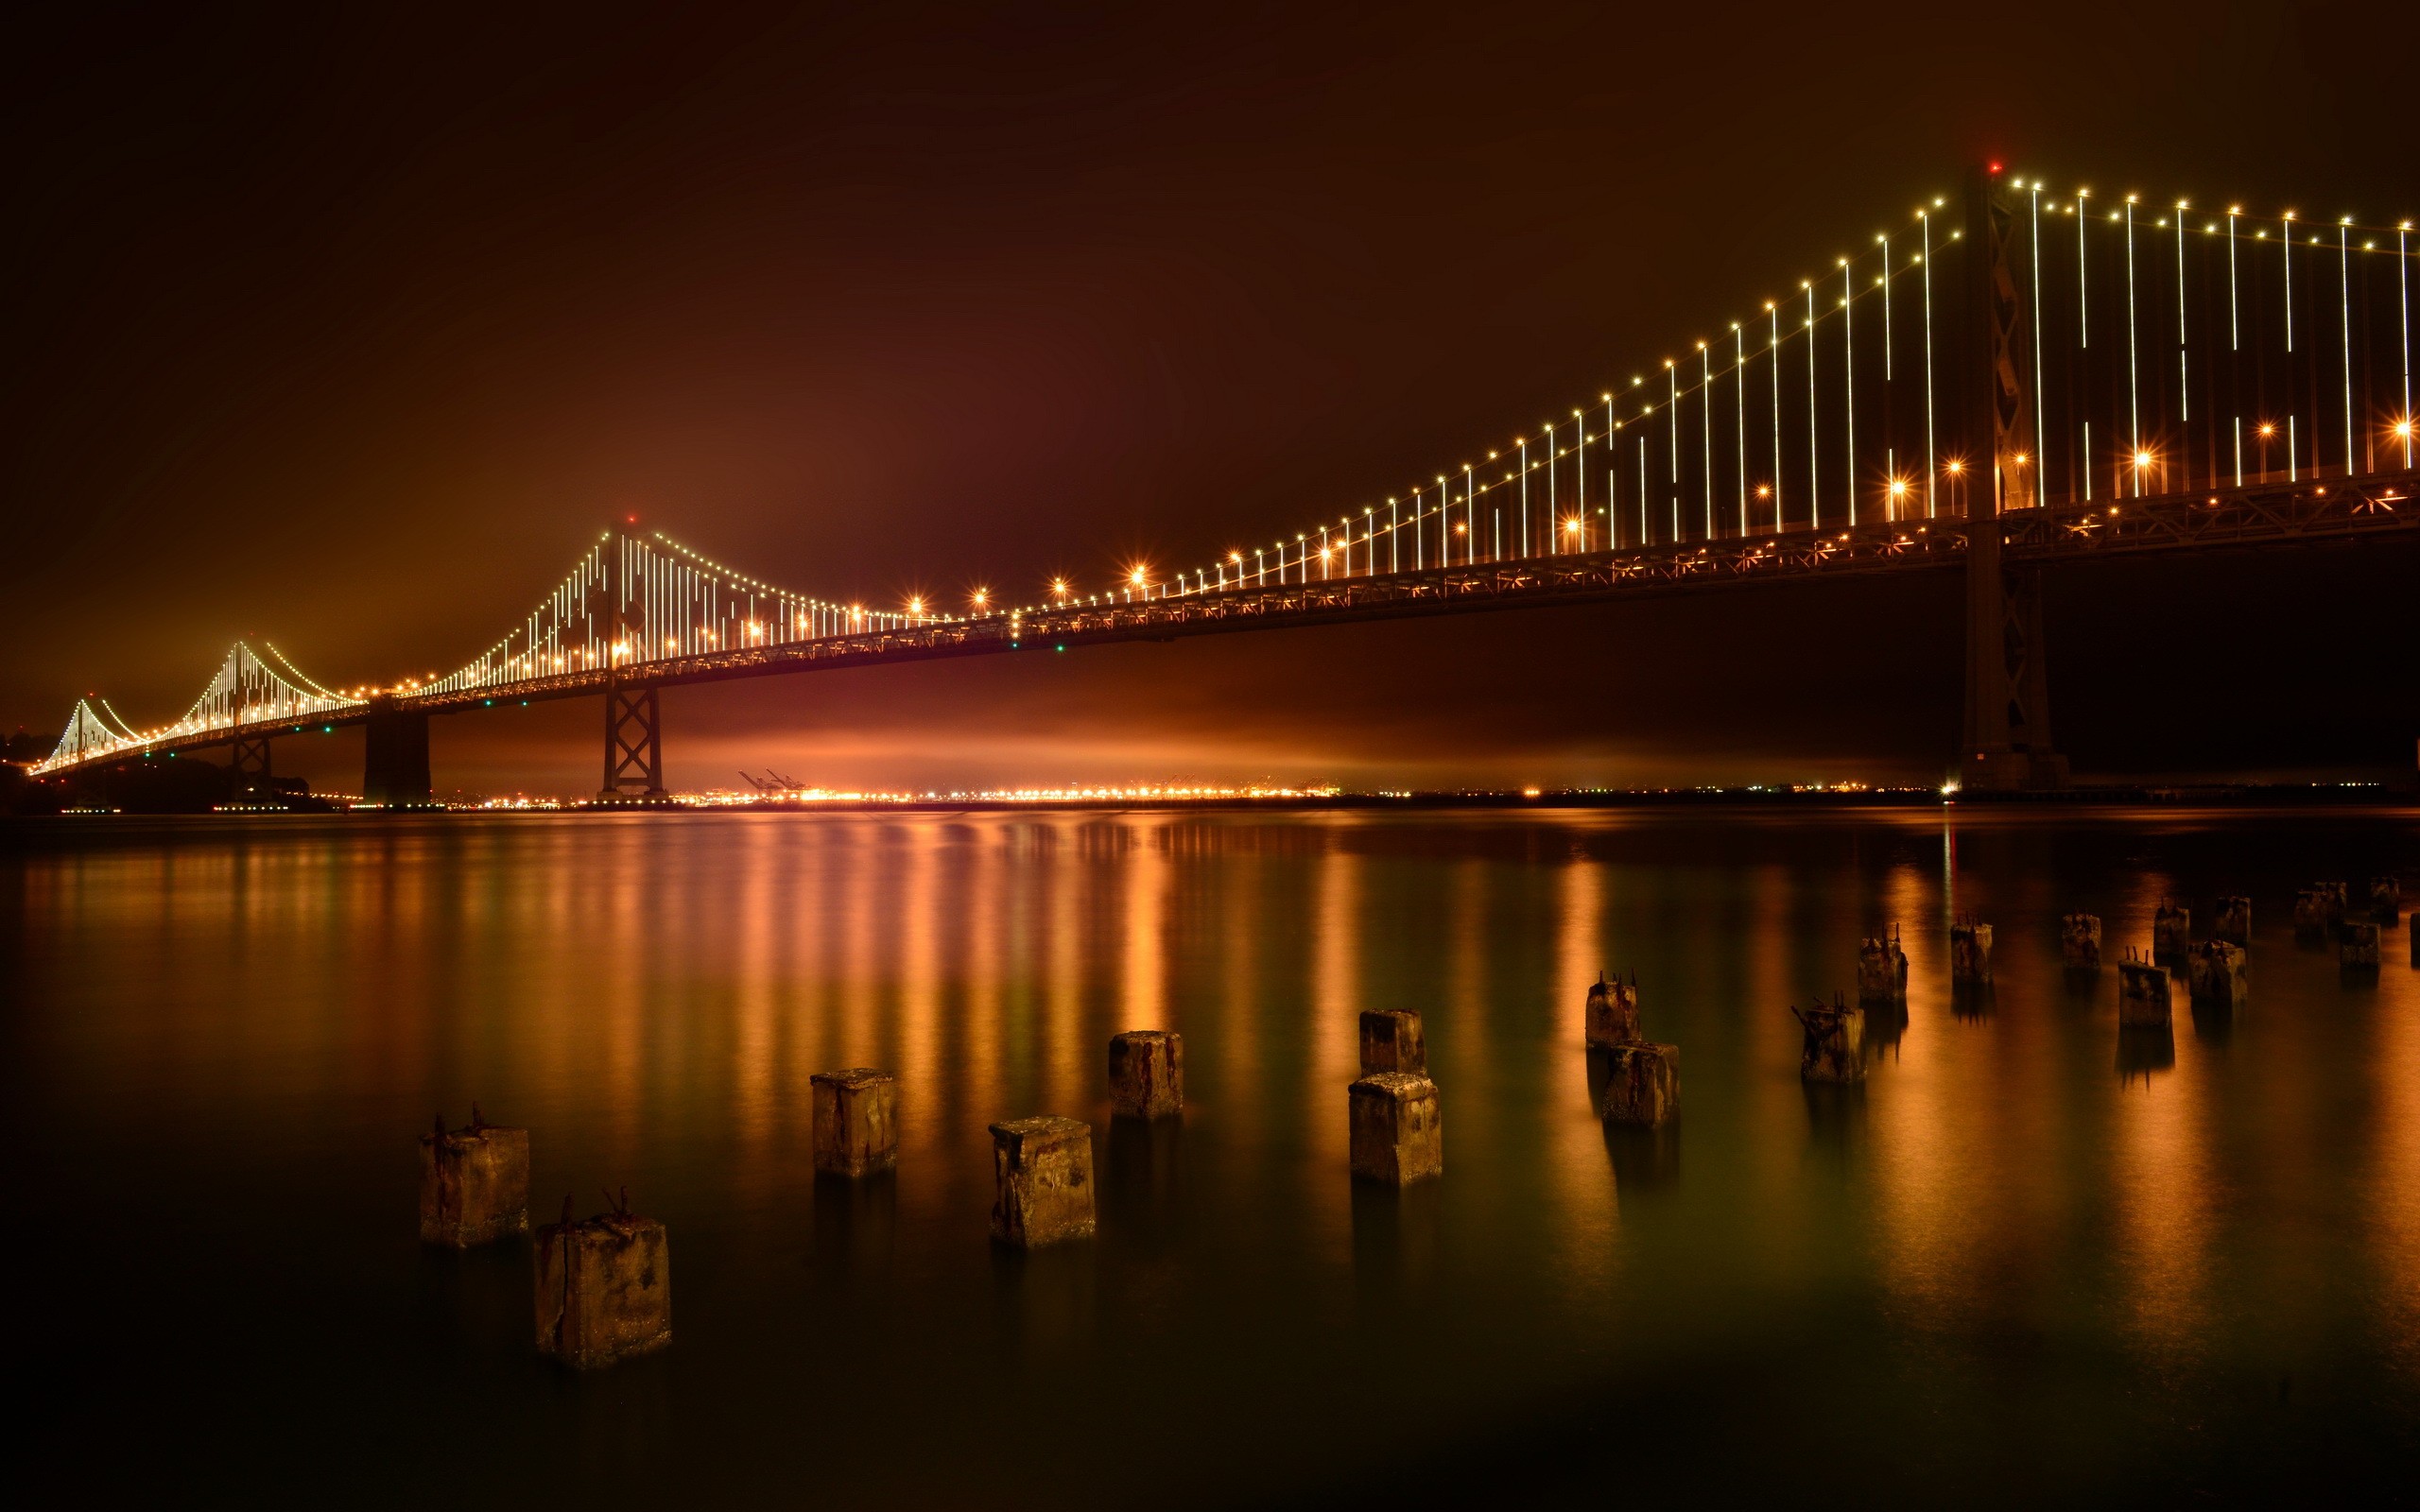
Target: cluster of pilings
603,1283
2324,909
2327,909
1632,1081
1396,1133
1833,1036
2215,969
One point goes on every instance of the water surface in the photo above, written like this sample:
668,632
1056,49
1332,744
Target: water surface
2024,1260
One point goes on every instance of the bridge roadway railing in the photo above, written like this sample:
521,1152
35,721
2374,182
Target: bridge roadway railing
2271,515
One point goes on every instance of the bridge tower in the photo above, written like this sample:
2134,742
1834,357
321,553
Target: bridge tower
2007,729
633,722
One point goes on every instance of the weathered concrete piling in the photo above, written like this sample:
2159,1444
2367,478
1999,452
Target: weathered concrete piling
1882,970
2080,941
1611,1017
2319,907
1146,1073
604,1287
1641,1084
1970,952
856,1121
2310,910
1397,1135
1042,1171
2171,932
2386,901
2144,994
473,1182
2357,944
2233,921
1392,1041
1834,1047
1631,1080
2219,982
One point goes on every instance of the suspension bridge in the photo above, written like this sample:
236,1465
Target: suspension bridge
2026,376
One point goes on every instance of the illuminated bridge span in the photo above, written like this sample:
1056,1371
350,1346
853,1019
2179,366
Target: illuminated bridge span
2036,375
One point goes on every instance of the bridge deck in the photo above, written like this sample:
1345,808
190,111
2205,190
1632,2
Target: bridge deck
2258,517
2267,516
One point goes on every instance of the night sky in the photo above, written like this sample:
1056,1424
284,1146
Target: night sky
350,332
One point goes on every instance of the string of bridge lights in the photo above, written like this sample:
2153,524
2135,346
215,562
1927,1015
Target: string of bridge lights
230,700
917,613
496,664
1574,535
680,594
297,675
1325,543
117,718
2401,428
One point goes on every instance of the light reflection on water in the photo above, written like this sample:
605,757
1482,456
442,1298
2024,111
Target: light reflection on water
2064,1258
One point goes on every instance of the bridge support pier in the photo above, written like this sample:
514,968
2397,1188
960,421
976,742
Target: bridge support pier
394,763
250,761
2008,701
634,746
248,764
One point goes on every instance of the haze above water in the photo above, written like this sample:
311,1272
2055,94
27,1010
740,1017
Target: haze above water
2015,1264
